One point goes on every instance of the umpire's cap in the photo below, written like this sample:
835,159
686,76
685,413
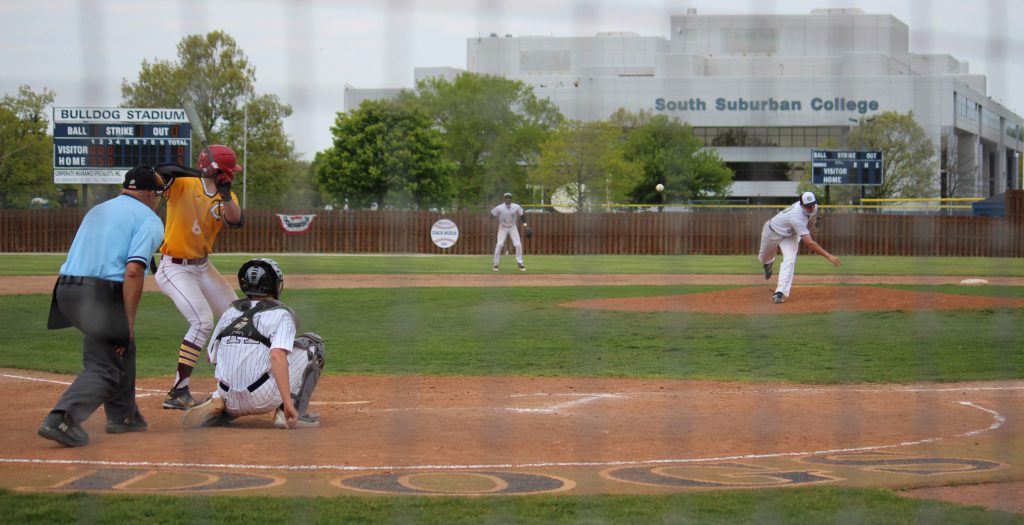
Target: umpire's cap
143,178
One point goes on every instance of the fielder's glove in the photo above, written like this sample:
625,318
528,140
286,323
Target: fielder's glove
527,231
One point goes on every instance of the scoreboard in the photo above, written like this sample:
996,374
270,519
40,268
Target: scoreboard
846,167
97,145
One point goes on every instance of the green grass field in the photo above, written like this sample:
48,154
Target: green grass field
809,505
36,264
523,331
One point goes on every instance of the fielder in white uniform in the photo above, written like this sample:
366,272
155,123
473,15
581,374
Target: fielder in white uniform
785,230
260,365
508,214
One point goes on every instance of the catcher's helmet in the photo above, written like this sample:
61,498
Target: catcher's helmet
259,277
223,156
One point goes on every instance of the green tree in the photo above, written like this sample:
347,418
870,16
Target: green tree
26,148
586,159
215,74
493,128
908,155
385,152
669,153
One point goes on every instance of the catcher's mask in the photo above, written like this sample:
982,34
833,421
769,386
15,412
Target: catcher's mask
223,156
259,277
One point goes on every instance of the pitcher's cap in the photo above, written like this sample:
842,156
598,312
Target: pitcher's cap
507,194
807,198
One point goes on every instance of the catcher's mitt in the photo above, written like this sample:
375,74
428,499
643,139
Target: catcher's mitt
528,231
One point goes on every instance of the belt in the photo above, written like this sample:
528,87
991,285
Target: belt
189,262
251,388
769,223
88,281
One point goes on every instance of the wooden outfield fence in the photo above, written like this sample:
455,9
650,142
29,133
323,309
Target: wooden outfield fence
677,233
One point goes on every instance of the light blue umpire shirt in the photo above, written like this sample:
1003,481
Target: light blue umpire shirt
112,234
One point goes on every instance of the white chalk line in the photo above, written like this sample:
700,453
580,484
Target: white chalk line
557,408
147,392
998,421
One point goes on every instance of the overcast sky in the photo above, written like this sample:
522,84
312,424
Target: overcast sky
306,51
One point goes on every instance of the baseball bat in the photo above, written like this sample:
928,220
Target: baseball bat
197,128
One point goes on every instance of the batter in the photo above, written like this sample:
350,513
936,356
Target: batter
197,208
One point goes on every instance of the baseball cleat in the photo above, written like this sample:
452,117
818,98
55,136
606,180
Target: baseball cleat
309,420
768,271
179,399
207,414
132,423
778,298
495,267
522,268
59,427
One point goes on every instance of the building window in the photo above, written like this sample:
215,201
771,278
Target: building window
966,107
766,171
784,137
1015,131
989,119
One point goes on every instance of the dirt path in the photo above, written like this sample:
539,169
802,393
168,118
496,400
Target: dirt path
43,284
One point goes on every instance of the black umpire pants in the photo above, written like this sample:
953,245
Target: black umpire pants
96,308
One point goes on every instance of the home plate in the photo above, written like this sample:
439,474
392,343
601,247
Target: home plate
973,282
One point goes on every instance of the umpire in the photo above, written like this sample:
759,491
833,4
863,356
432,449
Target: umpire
98,292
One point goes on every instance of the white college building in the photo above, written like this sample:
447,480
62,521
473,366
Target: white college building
763,90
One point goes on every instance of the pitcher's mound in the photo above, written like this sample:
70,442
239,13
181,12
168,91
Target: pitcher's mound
804,299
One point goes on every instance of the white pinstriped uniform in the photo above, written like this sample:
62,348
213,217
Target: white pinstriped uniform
784,231
241,361
507,215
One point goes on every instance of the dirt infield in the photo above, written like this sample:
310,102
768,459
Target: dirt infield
508,435
458,435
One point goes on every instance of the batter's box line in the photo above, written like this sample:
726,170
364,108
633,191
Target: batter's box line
557,408
998,422
148,391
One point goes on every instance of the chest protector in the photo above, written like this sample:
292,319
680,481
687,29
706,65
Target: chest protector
245,326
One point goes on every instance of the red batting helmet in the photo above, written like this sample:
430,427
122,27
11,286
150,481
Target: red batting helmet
223,156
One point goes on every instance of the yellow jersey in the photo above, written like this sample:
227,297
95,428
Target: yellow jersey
194,217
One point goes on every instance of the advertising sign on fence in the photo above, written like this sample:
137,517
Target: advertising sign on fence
444,233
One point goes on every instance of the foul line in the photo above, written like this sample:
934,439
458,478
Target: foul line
150,391
998,420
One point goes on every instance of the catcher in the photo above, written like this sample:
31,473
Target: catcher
508,214
260,365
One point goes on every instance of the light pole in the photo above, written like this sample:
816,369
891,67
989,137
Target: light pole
245,150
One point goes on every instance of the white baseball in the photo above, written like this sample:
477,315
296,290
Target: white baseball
660,187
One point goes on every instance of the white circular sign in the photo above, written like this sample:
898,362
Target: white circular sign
444,233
